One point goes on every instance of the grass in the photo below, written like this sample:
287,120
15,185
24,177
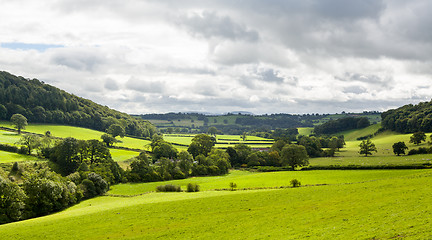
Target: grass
352,135
7,157
223,141
120,155
386,208
246,179
64,131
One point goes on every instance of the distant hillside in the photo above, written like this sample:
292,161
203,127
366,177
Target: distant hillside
43,103
238,123
409,118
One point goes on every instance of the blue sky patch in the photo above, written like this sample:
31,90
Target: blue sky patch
28,46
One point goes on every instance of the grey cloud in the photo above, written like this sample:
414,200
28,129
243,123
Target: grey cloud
209,25
111,84
353,9
355,89
367,78
269,75
78,59
145,86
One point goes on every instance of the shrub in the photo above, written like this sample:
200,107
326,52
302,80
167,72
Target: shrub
15,167
23,150
295,183
168,188
8,148
233,186
193,187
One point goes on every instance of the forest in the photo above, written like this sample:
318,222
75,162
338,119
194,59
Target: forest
43,103
409,118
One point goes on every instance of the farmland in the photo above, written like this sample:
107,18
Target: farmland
330,204
401,207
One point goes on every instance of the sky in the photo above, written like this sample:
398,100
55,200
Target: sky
273,56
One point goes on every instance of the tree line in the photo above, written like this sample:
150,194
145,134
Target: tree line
342,124
43,103
409,118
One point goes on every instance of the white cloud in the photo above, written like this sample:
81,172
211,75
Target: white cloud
220,56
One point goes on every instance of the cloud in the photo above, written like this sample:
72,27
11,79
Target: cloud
210,25
80,59
144,86
111,84
222,56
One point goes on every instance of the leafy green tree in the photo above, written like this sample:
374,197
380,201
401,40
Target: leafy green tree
19,122
185,162
31,142
243,136
367,147
12,201
278,145
243,152
233,156
294,156
65,154
108,139
212,131
417,138
116,130
3,111
312,145
48,192
201,144
164,150
399,148
220,159
96,151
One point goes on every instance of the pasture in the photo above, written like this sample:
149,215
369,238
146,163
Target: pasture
8,157
372,207
182,141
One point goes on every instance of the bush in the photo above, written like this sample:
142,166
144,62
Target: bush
421,150
193,187
23,150
295,183
233,186
168,188
8,148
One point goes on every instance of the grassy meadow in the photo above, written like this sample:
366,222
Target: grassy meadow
370,207
330,204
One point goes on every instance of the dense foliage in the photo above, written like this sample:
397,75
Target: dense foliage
409,118
42,191
43,103
343,124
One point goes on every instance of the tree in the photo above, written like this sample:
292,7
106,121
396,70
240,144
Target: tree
108,139
294,156
367,147
164,150
3,111
212,131
31,141
201,144
399,148
19,122
12,199
116,130
417,138
185,162
243,136
65,154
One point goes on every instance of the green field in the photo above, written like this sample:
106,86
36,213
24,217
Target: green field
396,205
246,179
222,141
7,157
120,155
